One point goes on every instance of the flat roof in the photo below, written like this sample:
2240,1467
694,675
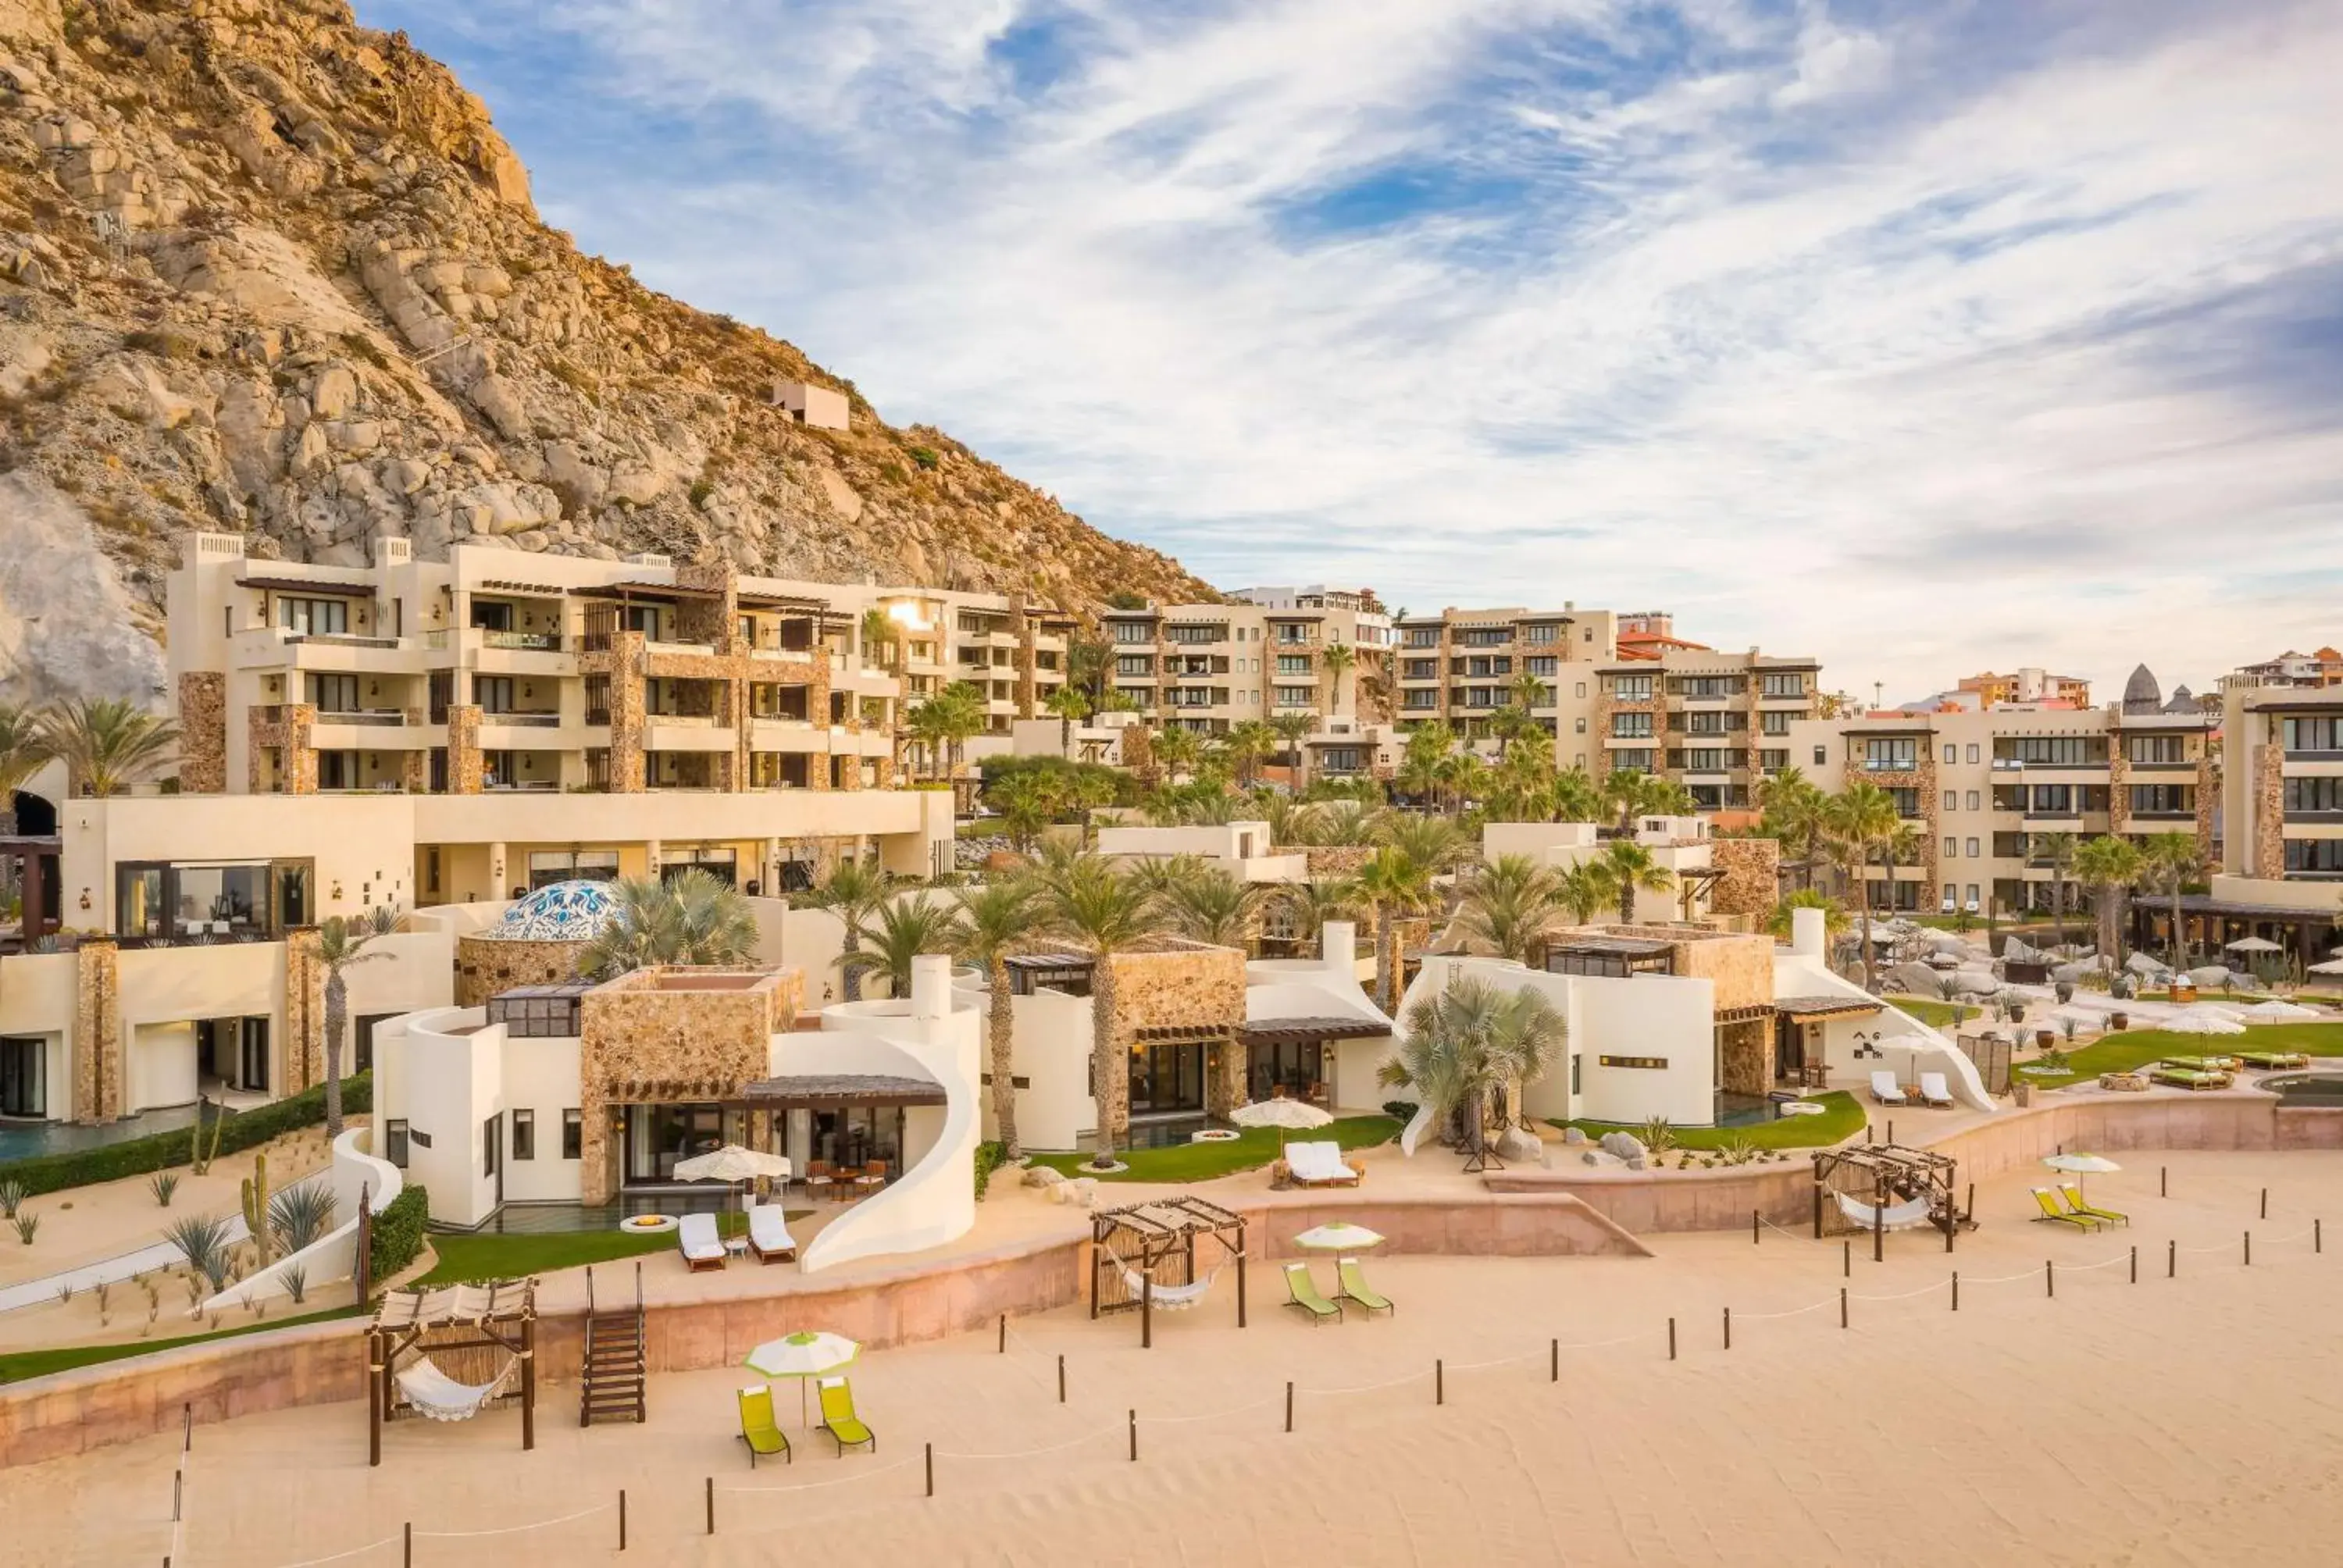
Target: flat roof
1309,1030
813,1089
1824,1006
308,585
1613,947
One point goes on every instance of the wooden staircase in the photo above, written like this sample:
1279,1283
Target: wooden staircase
612,1386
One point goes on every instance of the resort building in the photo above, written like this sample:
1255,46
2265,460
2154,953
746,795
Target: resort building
584,1095
1709,878
1243,849
1458,666
1717,723
2282,854
2321,668
2029,684
1987,791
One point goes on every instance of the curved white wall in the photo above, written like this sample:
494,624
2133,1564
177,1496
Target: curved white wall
333,1257
162,1067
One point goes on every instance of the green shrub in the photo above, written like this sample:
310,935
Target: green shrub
398,1233
1399,1111
136,1156
926,457
987,1160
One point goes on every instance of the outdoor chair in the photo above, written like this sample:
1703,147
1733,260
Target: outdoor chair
1356,1289
1884,1087
2189,1077
1933,1090
838,1420
1320,1164
2074,1205
818,1179
696,1238
2273,1060
1301,1291
768,1234
2052,1213
757,1429
873,1176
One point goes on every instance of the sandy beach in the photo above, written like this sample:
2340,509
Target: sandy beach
2179,1420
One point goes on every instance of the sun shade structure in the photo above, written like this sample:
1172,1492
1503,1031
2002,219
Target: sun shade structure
1883,1186
803,1355
1342,1236
1286,1115
1143,1257
1807,1008
465,1347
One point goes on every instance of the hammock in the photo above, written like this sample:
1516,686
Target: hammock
1895,1217
1169,1298
439,1397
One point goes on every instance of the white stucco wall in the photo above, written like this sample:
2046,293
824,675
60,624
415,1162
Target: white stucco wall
1668,1017
36,1000
162,1067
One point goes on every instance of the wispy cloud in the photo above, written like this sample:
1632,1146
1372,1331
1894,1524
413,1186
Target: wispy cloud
2000,335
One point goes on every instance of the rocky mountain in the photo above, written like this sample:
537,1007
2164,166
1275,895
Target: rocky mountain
263,269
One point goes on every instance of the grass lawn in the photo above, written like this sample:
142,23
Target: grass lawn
2138,1046
19,1364
494,1256
1935,1014
1843,1117
1249,1150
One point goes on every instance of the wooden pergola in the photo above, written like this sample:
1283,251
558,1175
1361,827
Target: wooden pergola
482,1339
1156,1241
1884,1176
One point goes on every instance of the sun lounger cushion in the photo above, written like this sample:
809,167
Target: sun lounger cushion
1883,1089
769,1231
1932,1089
696,1235
1313,1162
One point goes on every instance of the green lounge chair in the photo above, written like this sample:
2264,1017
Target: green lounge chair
1301,1290
756,1428
838,1420
2052,1212
2189,1077
2202,1063
1356,1289
2074,1205
2273,1060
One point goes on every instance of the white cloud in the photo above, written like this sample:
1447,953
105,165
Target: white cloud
1895,347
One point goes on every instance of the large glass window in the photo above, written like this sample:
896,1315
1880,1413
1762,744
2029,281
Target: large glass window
546,867
334,693
524,1134
314,617
2154,750
251,898
1167,1078
1631,687
1634,725
659,1135
1787,684
2306,795
2306,733
2314,857
2166,799
721,864
2054,750
1890,754
1296,1068
24,1067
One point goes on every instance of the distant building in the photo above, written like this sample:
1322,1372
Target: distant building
2322,669
823,408
2027,683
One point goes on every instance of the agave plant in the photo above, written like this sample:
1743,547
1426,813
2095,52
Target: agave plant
202,1240
12,1196
1657,1135
300,1215
297,1283
163,1183
1738,1149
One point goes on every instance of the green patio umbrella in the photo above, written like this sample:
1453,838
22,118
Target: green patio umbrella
802,1355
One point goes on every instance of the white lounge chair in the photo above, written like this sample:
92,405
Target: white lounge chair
768,1234
1884,1087
1319,1165
1933,1090
702,1248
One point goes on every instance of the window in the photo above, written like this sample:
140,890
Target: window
546,867
334,693
1973,850
1908,802
394,1141
1705,687
1708,760
524,1134
1775,723
1130,632
314,617
1637,725
2156,749
1484,636
1952,752
1419,669
1890,754
494,693
1545,664
1972,895
1772,761
1973,752
2054,750
1296,696
1544,633
488,1146
1292,664
1789,685
2302,795
1638,760
2314,857
1632,687
1581,722
1952,847
2305,733
1952,799
2177,799
1822,756
1582,688
1421,637
1642,1063
1975,798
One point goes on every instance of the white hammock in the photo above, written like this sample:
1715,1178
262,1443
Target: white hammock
439,1397
1169,1298
1895,1217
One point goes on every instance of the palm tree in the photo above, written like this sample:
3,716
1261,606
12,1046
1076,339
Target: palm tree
1249,742
1343,824
1392,883
1794,815
993,921
1576,797
2171,862
1158,875
1581,889
854,892
1293,728
1468,1044
692,919
905,928
1436,843
1214,906
107,744
1110,913
1310,905
1428,747
1027,803
1835,919
1859,818
1512,904
1626,869
955,714
1338,660
1464,777
342,944
1068,705
1903,845
2058,852
2108,866
1177,749
24,751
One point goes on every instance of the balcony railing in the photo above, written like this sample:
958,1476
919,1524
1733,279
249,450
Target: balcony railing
525,720
524,642
378,718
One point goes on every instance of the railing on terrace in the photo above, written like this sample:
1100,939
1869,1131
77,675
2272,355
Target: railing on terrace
524,642
525,721
370,716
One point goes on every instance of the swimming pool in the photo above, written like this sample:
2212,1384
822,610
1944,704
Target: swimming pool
25,1139
2307,1088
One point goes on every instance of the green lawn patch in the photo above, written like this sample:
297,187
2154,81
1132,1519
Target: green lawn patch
2135,1048
1843,1117
1248,1151
1935,1014
492,1255
17,1365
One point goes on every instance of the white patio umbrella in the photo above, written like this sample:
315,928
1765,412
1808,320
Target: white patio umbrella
2331,967
1339,1237
801,1356
1286,1115
2253,945
2081,1165
2276,1011
2191,1021
731,1163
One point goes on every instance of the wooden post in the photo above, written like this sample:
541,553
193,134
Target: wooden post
1728,1328
2171,1259
2265,1203
1241,1280
2249,1249
1146,1311
1846,1260
529,1381
1754,1239
2050,1277
1553,1361
623,1519
1878,1226
1439,1382
932,1480
1289,1404
1818,1211
1672,1339
1005,1334
373,1398
1841,1306
1956,1289
2135,1263
1135,1437
364,1256
1061,1377
711,1503
2163,1180
406,1545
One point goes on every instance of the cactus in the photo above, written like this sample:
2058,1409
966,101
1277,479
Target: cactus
255,1207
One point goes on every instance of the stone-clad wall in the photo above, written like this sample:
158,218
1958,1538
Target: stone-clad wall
488,965
203,732
2118,787
2208,794
1751,883
1192,987
2269,801
1740,967
466,770
304,1052
98,1048
290,728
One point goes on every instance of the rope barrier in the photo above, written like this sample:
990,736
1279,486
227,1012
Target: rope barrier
512,1529
1091,1435
1902,1295
1605,1344
1793,1312
1483,1366
1366,1387
2086,1267
336,1557
1216,1415
842,1481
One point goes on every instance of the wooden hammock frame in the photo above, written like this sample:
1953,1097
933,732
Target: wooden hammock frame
1882,1175
404,1325
1159,1238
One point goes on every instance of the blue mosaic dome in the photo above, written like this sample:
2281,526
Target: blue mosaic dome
558,912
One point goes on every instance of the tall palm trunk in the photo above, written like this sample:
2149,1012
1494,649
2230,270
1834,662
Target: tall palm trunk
1387,958
337,1013
1870,975
1626,902
851,977
1002,1026
1102,1051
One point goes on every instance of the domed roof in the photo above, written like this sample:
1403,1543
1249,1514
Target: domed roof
2141,693
2183,701
559,912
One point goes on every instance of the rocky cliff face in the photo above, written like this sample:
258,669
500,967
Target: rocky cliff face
264,269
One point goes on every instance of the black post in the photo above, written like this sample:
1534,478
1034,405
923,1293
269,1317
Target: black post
1553,1361
1956,1289
1005,1334
2135,1264
1728,1328
2249,1249
1440,1383
1289,1404
1891,1130
2050,1277
2164,1180
1841,1306
1146,1312
623,1519
711,1503
1879,1227
2265,1203
178,1478
1970,1212
1818,1211
406,1545
1061,1377
1846,1260
1135,1437
931,1476
1241,1284
1754,1239
2171,1259
1672,1339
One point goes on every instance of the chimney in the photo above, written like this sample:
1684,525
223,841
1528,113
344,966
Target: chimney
1806,933
1338,946
930,985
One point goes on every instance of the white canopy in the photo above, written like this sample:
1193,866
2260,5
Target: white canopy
2253,945
2331,967
2191,1021
731,1163
1293,1113
2276,1011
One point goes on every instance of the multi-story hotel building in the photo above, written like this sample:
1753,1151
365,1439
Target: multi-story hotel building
1459,665
1984,788
2029,684
1209,667
1714,722
2282,803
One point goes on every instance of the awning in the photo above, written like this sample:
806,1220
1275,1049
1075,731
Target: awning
1612,947
1309,1030
1814,1007
308,586
809,1089
1748,1014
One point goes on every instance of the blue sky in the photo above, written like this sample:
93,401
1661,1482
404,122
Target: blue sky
1924,339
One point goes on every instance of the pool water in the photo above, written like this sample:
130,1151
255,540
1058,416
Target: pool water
2307,1087
25,1139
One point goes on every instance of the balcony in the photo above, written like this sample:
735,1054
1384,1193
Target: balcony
514,719
522,641
379,717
